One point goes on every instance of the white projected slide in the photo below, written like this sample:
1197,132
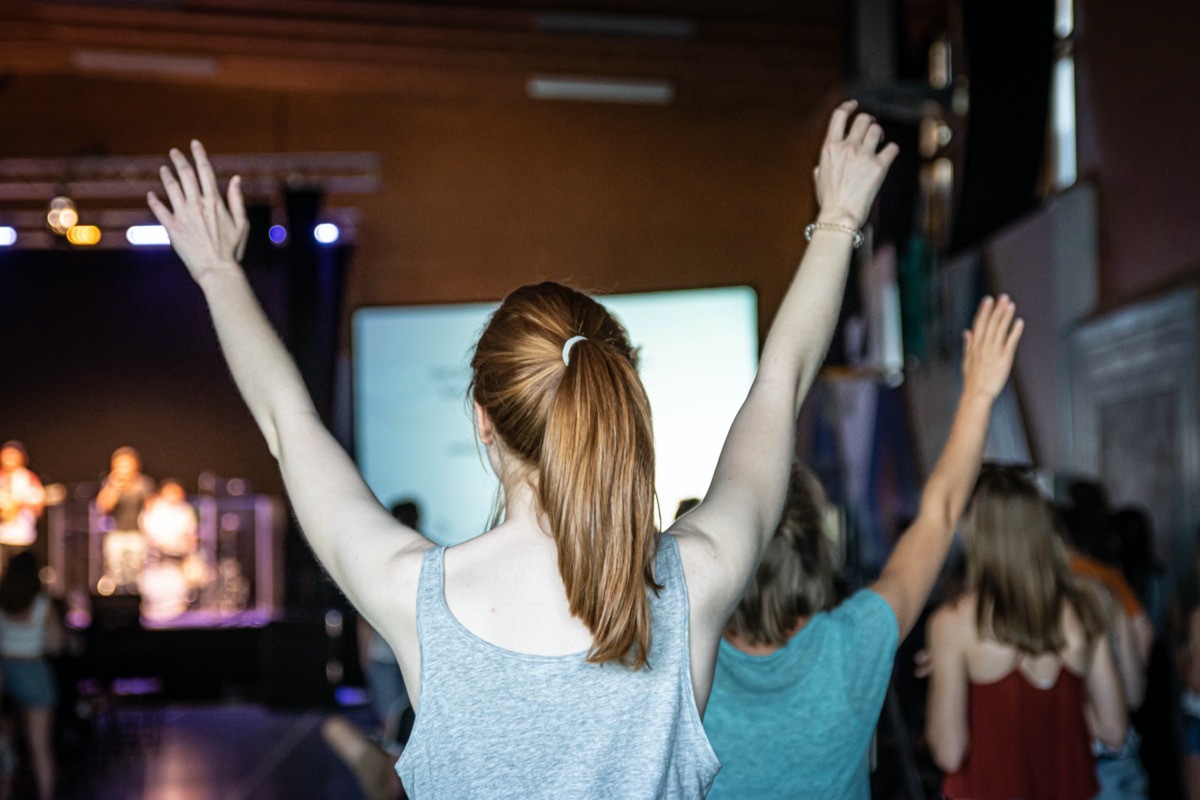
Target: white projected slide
415,438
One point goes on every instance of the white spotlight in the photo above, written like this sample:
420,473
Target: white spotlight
8,236
147,235
326,233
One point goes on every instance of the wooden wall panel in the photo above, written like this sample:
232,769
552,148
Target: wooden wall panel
478,198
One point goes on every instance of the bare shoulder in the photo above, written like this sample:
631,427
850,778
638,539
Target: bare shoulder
954,621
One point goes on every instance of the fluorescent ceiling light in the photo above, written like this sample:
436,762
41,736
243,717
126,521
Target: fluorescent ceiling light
616,25
600,90
8,236
145,63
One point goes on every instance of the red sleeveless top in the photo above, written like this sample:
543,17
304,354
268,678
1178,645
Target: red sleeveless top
1026,742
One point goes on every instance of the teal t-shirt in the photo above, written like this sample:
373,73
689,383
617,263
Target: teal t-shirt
797,723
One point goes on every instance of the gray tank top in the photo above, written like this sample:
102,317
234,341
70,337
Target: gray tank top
495,723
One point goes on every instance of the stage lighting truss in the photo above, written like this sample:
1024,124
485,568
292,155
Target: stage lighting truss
39,196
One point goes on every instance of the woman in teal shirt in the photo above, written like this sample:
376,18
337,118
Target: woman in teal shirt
798,689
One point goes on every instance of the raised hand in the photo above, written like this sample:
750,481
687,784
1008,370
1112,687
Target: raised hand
207,231
852,167
989,347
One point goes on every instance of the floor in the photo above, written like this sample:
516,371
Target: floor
235,752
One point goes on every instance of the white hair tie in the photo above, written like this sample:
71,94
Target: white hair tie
567,348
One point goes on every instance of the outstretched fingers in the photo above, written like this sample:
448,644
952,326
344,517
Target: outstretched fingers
208,180
837,123
858,129
237,203
995,327
172,188
187,175
160,211
874,137
888,154
1014,337
991,319
982,314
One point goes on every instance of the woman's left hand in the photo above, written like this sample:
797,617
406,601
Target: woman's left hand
207,231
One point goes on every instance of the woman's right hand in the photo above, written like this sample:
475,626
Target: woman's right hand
852,167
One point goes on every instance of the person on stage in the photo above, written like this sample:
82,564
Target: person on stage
123,495
569,651
169,524
22,498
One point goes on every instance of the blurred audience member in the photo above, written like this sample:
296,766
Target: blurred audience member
1154,720
1141,568
1094,552
29,630
1021,663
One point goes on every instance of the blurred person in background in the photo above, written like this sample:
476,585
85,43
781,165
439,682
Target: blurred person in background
1022,671
29,631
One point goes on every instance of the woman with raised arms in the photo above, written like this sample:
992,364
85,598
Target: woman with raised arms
569,651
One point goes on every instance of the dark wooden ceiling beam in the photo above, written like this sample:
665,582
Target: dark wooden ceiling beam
428,49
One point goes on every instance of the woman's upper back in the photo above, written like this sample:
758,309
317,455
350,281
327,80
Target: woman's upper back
1027,721
492,718
989,660
833,675
24,635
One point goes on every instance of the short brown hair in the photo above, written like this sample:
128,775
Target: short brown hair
795,576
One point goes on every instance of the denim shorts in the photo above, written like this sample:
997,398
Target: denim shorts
29,681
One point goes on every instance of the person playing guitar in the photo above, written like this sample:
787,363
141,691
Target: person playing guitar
22,497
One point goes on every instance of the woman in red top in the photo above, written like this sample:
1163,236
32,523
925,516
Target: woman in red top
1022,670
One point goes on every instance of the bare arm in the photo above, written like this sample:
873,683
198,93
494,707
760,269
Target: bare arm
109,494
946,726
1107,707
910,572
1127,656
354,537
725,535
37,494
1143,637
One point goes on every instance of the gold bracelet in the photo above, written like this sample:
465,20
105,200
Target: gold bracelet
833,226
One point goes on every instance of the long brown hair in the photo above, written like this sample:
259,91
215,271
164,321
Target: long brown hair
584,432
795,576
1017,565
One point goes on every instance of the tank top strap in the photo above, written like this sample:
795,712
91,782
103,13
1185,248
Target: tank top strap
431,588
668,573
